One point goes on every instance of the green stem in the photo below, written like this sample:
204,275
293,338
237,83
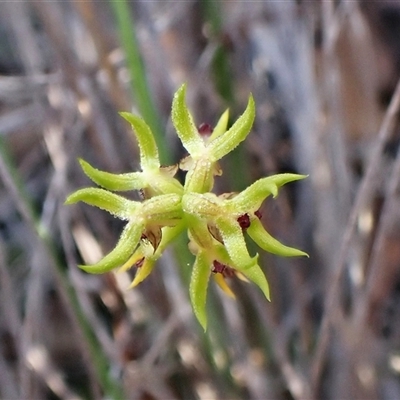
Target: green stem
222,77
221,70
139,83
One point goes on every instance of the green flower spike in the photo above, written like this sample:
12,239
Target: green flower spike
216,225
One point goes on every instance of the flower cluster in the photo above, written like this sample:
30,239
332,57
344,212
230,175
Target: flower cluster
216,224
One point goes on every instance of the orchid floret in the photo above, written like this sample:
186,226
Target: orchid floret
216,226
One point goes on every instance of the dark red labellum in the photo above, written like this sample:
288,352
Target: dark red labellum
205,129
219,268
244,221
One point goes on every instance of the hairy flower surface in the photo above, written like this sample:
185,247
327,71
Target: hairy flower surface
216,225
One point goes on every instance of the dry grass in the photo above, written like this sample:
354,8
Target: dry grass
324,79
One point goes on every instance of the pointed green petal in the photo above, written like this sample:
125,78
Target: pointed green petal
283,179
184,124
256,275
117,182
221,127
221,254
263,239
234,242
224,144
198,230
114,204
253,273
169,233
120,254
149,158
252,197
198,287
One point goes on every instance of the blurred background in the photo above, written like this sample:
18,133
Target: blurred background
324,76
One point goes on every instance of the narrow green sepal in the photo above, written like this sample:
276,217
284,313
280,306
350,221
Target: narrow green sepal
184,124
221,254
234,242
253,196
199,231
114,204
256,275
283,179
199,285
225,143
115,182
268,243
125,247
169,233
149,158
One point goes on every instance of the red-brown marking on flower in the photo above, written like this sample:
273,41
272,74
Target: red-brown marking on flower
258,214
139,263
225,270
205,129
244,221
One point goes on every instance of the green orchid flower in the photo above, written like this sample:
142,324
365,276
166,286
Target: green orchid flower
231,218
144,222
152,180
202,163
216,225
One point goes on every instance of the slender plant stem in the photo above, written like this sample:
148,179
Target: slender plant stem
139,83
